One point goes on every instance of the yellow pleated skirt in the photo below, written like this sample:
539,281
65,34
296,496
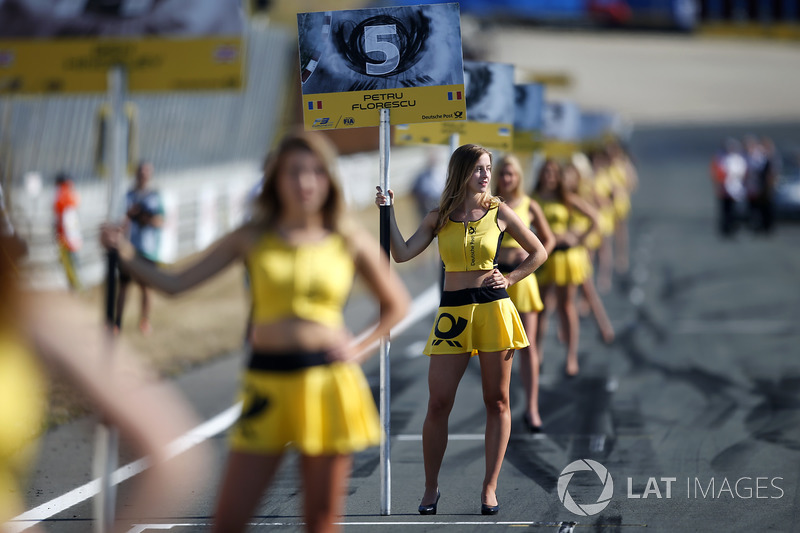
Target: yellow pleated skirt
564,267
606,219
320,410
525,295
473,320
622,206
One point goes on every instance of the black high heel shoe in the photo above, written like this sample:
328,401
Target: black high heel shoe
490,509
430,509
529,425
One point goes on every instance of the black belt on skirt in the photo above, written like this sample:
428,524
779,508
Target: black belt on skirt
478,295
285,361
561,247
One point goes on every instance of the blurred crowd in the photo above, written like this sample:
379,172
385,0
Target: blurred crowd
744,174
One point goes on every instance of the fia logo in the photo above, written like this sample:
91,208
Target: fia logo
348,121
320,122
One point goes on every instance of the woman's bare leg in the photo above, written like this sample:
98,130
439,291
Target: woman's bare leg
529,369
495,379
245,479
444,375
325,479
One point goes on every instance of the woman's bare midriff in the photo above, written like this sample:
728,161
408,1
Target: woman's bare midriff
456,281
296,335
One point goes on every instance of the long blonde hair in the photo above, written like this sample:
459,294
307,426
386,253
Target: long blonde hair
268,204
511,161
459,170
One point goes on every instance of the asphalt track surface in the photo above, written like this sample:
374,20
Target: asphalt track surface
699,395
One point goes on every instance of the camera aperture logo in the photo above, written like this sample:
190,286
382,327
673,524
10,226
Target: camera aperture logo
585,509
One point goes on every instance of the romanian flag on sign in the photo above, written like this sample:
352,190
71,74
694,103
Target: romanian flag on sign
454,95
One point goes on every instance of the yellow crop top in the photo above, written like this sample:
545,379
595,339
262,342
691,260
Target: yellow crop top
310,281
556,214
523,210
471,245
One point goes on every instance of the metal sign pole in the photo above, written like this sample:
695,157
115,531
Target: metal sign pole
385,395
454,140
107,437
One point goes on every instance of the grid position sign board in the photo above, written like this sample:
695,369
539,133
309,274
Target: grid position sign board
406,59
490,108
68,46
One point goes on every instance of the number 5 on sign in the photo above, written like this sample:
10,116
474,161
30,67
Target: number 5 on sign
354,63
373,43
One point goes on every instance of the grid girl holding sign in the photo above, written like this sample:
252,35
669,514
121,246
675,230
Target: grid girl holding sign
303,387
476,316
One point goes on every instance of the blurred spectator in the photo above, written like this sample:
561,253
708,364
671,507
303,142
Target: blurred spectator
756,160
145,217
67,227
428,185
728,171
767,178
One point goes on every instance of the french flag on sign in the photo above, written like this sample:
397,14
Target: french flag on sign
314,105
454,95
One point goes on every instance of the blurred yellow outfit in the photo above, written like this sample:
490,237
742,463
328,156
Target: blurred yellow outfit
22,408
564,265
604,187
301,400
622,200
479,319
524,293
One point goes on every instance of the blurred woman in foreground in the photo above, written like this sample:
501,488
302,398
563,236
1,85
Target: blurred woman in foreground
45,336
303,387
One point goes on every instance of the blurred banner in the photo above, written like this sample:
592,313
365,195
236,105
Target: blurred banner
561,128
528,116
68,46
490,111
598,127
656,14
355,62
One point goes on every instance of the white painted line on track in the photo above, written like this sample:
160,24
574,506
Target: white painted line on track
423,304
565,527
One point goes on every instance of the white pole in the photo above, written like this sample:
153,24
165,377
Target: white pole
385,394
107,437
454,140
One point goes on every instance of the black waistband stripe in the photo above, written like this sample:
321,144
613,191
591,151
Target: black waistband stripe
480,295
285,362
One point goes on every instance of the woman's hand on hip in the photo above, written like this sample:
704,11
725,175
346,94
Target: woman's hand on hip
496,280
